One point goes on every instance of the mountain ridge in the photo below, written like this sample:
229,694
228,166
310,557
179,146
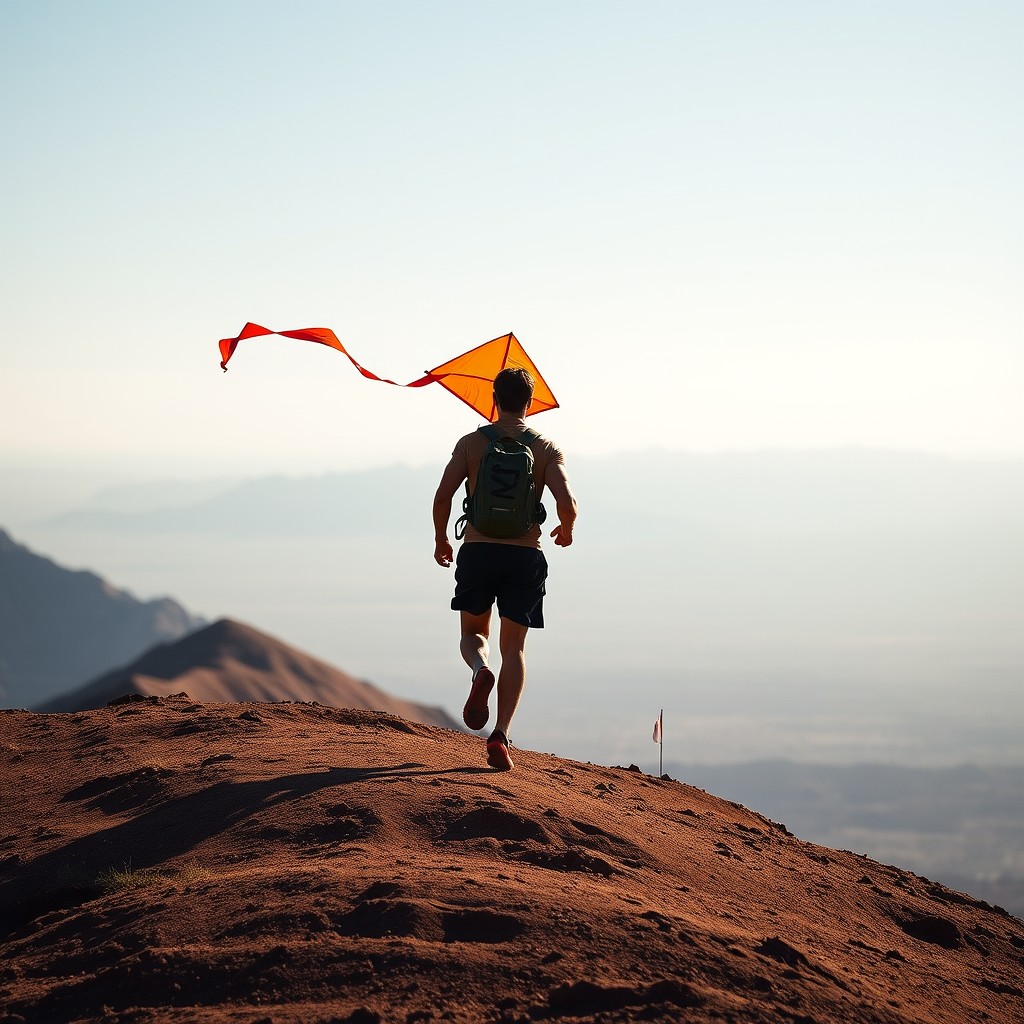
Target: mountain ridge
56,623
231,661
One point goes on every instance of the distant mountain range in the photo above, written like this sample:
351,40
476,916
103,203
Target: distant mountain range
60,626
371,501
229,661
753,493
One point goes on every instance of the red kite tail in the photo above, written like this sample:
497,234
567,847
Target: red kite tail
321,335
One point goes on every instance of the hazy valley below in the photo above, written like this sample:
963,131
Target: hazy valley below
834,609
841,606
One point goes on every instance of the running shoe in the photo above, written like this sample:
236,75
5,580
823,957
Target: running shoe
497,752
476,711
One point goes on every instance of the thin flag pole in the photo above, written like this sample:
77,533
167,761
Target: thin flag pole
659,738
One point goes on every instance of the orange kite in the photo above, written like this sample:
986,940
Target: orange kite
470,376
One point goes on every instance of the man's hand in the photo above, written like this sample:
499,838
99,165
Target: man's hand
453,475
563,536
565,504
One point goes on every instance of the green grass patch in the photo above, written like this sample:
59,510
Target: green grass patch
127,878
192,872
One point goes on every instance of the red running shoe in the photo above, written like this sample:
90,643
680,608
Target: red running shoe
497,752
476,711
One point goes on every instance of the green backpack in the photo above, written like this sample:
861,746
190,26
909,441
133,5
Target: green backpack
504,503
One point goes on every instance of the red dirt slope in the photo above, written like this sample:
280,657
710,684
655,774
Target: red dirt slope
166,860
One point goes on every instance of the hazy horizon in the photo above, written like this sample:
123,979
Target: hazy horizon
849,606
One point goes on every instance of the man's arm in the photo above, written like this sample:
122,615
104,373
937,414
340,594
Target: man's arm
451,479
565,503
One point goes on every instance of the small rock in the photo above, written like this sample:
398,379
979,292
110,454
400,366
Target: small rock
779,949
216,758
936,930
363,1016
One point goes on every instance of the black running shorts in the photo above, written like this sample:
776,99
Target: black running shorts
511,574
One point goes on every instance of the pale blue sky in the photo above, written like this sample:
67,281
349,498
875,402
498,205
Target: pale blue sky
714,226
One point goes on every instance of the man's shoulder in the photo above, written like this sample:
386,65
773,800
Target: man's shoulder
467,439
477,440
544,444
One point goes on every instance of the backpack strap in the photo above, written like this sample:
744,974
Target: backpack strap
492,433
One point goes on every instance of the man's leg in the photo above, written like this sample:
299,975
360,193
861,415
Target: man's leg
474,649
512,677
473,646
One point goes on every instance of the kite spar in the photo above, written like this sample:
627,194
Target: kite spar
469,376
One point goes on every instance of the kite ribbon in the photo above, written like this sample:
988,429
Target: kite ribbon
322,335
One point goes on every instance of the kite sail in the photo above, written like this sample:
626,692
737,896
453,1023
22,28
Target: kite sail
470,376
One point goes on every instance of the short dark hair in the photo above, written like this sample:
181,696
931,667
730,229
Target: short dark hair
513,388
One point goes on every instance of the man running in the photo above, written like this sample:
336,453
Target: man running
510,571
